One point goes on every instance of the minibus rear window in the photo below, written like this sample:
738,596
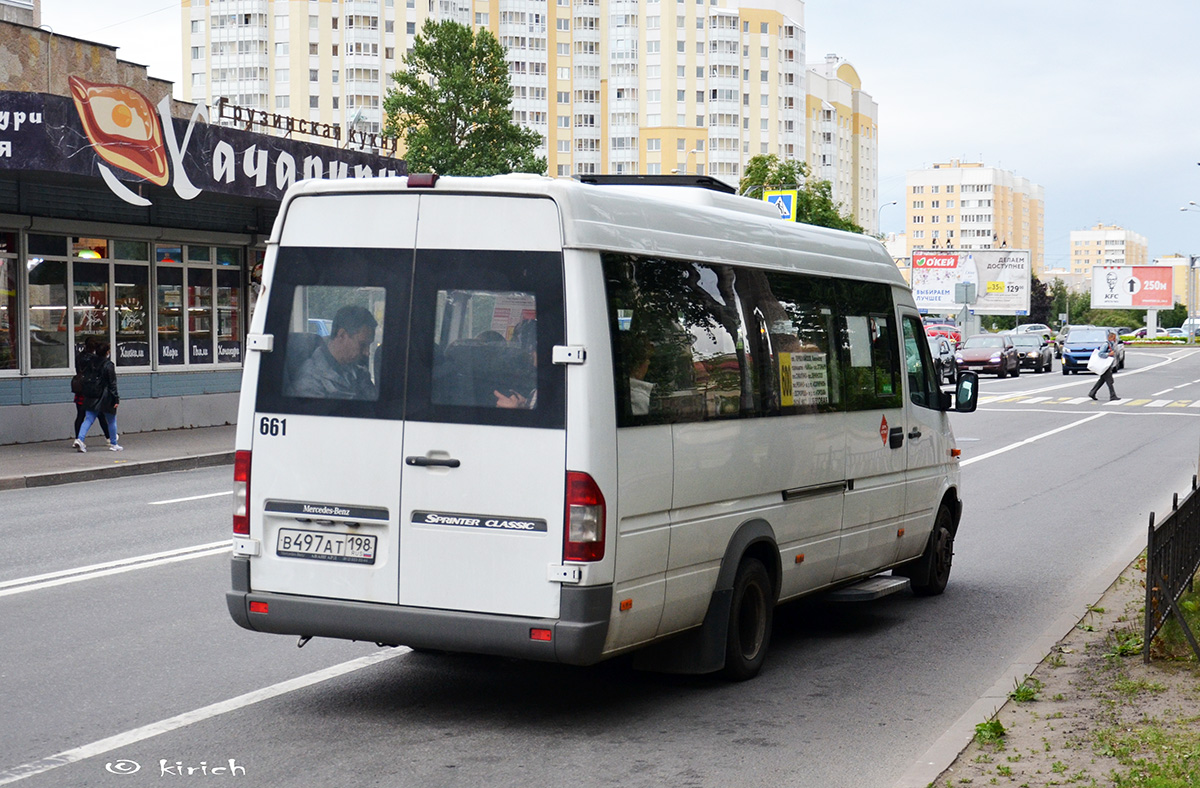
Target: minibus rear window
339,319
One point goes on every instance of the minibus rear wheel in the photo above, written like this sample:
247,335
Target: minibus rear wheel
751,613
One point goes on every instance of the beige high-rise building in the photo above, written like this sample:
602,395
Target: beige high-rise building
613,86
1106,245
843,135
959,205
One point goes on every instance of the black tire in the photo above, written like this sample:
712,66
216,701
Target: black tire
1002,372
929,574
751,613
1017,370
1066,371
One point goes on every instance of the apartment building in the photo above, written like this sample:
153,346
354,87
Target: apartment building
613,86
1106,245
963,205
843,135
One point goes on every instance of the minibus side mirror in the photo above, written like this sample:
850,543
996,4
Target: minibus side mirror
966,393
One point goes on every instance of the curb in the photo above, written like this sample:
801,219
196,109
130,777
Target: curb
114,471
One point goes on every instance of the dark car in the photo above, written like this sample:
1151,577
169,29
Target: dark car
1078,347
943,359
1034,351
989,353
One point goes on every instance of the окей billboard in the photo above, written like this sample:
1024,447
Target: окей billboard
1001,278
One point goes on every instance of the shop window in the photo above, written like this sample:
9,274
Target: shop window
229,322
200,317
131,286
47,245
199,254
49,334
90,302
165,253
8,301
89,248
169,304
131,250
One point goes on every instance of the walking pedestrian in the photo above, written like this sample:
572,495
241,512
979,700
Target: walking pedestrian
1107,351
100,399
88,352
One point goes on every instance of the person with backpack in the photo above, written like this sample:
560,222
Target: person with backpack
100,396
89,349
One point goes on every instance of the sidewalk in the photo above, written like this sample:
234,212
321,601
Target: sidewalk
56,462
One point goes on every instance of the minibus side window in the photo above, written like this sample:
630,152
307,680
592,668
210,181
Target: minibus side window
799,324
869,342
923,388
678,341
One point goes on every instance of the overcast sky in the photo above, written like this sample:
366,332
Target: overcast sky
1094,100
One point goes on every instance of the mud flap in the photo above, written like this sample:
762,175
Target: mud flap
697,651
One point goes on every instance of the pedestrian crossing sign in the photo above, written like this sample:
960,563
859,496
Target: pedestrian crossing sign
784,201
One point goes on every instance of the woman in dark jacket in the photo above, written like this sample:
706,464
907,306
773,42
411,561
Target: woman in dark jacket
103,399
89,351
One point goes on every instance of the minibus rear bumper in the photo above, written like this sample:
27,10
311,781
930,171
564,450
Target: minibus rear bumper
576,637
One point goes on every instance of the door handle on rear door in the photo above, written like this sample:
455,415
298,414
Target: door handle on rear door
446,462
914,433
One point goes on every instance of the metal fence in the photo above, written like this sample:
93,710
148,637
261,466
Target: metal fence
1172,558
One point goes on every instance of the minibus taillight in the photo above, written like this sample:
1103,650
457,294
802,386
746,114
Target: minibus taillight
583,534
241,493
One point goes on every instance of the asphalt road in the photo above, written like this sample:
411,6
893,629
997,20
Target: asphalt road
106,664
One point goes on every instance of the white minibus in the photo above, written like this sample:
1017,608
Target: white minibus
564,421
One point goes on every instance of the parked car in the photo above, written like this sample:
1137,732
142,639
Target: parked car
1142,333
1034,351
1079,345
1041,329
943,359
946,330
988,353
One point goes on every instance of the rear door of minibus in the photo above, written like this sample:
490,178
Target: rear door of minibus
418,489
485,437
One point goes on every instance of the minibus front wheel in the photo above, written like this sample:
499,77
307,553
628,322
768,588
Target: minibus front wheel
751,613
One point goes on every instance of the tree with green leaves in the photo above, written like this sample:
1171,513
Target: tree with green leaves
452,106
814,199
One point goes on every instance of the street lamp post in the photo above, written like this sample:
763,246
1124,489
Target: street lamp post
879,216
1191,308
685,162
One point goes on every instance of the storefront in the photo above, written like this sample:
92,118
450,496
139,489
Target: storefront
120,221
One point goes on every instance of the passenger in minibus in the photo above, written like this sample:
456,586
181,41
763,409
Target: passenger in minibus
338,368
525,338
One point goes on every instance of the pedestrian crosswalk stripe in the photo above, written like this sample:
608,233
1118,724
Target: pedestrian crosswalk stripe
1179,403
1077,400
1159,403
1136,402
1032,400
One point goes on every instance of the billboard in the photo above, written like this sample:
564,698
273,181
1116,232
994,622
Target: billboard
1001,278
1133,287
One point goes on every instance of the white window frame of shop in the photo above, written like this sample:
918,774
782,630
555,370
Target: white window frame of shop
228,302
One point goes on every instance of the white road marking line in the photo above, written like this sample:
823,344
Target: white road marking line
1158,403
191,498
1077,400
65,576
1032,400
136,735
1021,443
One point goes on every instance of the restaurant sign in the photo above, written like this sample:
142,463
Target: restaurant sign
115,133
